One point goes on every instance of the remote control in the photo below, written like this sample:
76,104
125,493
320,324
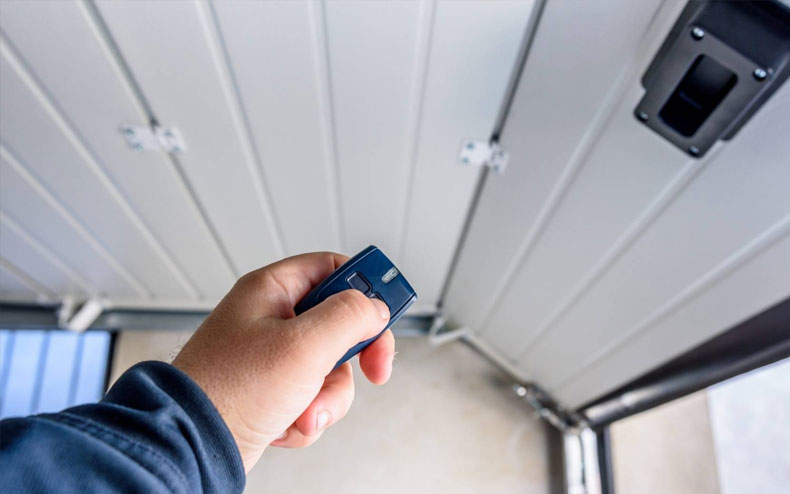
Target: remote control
373,274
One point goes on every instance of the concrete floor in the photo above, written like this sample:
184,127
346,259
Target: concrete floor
446,422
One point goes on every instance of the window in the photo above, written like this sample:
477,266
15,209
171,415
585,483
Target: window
49,370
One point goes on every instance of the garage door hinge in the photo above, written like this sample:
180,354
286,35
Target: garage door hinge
484,153
548,409
143,138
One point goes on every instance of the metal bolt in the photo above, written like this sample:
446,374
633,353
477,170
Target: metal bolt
760,74
693,150
641,116
520,390
697,33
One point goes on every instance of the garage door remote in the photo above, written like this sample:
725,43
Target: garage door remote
373,274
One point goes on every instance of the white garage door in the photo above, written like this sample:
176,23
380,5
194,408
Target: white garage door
603,250
310,125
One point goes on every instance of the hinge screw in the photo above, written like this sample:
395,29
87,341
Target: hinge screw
693,150
697,33
641,116
760,74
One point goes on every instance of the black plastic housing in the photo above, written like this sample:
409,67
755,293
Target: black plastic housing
720,62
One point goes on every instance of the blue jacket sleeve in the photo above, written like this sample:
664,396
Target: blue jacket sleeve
155,432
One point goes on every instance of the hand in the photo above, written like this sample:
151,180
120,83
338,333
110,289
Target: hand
268,372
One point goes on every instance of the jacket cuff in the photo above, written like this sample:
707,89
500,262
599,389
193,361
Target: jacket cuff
217,456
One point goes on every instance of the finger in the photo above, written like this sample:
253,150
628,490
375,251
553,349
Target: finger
341,321
299,274
331,404
295,439
282,284
376,360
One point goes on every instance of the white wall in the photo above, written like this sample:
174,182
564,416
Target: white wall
750,416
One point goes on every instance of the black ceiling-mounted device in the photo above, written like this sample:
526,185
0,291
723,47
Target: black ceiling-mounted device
720,62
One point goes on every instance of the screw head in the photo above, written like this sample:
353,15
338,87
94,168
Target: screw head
465,159
693,150
128,132
760,74
697,33
470,145
642,116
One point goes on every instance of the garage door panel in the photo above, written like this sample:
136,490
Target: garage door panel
16,286
601,233
38,262
97,100
25,202
176,56
739,195
689,321
463,93
620,178
558,111
276,50
373,158
69,172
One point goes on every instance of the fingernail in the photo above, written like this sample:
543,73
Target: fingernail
384,311
282,436
321,420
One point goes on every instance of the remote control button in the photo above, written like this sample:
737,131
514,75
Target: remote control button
356,280
376,295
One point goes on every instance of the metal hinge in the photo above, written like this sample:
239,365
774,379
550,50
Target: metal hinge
548,409
142,138
484,153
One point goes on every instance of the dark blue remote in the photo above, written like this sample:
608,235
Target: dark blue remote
373,274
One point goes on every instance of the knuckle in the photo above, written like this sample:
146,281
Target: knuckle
260,279
252,279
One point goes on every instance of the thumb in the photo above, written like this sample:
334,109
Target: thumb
340,322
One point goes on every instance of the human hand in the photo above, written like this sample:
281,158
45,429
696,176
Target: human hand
268,372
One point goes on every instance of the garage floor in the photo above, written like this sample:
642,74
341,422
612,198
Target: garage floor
446,422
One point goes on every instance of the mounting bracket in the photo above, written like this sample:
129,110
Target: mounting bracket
484,153
143,138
